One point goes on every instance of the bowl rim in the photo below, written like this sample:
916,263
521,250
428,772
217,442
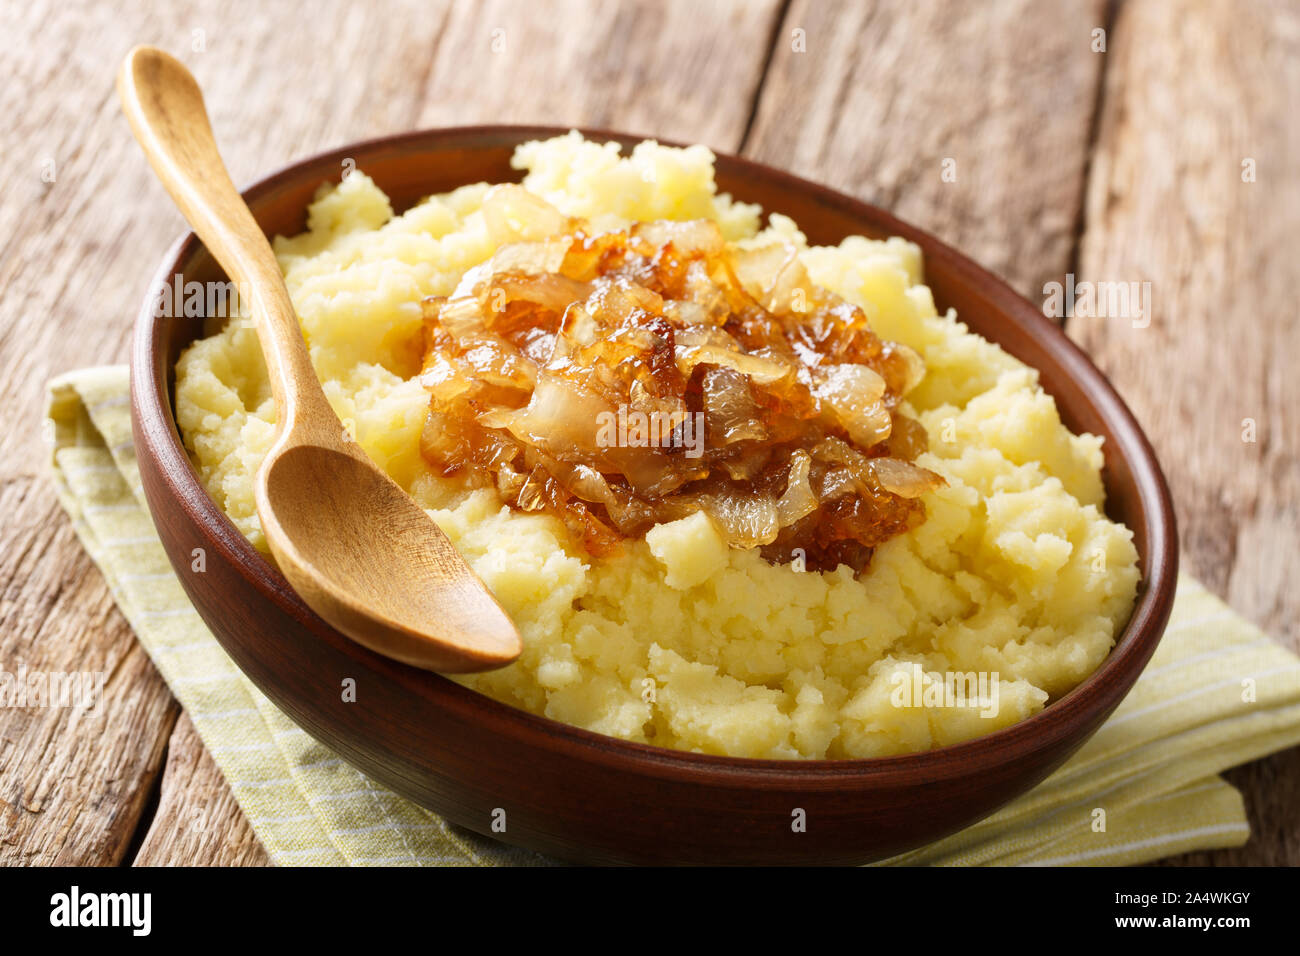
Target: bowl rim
1090,701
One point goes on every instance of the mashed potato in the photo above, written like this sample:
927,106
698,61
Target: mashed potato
681,641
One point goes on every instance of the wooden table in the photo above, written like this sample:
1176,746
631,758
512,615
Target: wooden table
1146,141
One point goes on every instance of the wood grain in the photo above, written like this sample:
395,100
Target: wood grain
1194,90
883,94
197,820
685,70
73,781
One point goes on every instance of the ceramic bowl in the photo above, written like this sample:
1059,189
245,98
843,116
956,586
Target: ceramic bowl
581,796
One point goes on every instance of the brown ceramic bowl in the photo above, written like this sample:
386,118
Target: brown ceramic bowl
578,795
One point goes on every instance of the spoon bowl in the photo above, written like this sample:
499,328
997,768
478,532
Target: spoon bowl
437,606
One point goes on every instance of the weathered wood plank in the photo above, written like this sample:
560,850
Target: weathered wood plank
880,99
76,254
73,779
676,70
1194,91
197,820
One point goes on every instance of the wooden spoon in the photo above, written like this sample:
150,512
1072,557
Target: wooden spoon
352,543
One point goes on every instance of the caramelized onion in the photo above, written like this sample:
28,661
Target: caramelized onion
747,520
731,413
798,501
852,395
622,379
903,478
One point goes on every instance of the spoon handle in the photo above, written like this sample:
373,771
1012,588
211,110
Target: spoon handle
164,106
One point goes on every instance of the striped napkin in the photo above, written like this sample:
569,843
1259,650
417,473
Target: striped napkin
1217,693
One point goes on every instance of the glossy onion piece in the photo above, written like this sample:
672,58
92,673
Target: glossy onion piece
903,478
